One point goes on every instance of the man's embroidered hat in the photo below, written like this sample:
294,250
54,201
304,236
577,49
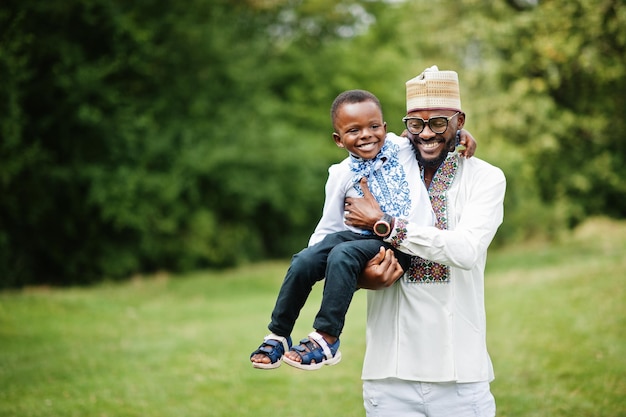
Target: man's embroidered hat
433,90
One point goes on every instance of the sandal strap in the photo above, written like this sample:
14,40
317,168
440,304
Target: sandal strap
321,342
280,339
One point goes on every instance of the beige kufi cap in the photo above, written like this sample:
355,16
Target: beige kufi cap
433,90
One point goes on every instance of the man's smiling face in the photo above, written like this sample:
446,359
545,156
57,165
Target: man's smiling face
432,148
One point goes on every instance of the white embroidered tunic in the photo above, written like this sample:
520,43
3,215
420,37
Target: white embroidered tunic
435,330
398,194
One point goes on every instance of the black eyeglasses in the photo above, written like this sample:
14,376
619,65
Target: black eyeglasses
437,124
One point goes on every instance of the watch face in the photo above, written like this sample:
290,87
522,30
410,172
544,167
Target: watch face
381,228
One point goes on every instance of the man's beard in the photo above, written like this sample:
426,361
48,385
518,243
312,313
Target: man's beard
432,162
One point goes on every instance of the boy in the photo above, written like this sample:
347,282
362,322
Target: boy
339,253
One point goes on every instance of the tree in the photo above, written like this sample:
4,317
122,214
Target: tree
564,66
147,135
136,140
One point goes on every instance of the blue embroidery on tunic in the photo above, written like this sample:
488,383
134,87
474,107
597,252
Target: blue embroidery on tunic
386,180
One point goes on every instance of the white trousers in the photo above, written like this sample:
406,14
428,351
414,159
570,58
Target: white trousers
399,398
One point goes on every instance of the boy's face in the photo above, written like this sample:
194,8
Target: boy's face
359,128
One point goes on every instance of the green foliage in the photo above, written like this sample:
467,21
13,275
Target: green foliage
132,142
145,136
561,73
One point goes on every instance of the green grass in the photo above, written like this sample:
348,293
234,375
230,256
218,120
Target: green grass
179,346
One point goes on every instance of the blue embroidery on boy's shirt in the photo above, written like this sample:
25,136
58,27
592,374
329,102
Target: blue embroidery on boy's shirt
386,179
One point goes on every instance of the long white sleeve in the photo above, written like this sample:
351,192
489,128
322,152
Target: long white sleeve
332,215
475,212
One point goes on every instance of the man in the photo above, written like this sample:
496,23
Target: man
426,351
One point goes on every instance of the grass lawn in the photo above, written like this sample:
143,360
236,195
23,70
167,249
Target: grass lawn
179,346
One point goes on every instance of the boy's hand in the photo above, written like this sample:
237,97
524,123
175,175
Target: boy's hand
363,212
467,144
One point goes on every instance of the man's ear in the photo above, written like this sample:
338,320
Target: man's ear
337,139
460,121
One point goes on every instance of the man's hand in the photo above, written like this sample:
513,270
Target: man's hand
381,271
362,212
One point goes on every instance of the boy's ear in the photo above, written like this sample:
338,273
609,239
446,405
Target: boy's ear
337,139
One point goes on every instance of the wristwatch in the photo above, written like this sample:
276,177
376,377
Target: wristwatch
382,227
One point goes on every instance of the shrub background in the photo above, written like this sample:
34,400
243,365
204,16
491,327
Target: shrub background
149,135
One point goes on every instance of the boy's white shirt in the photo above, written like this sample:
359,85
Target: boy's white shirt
340,185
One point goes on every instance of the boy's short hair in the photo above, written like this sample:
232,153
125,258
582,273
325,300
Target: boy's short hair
352,96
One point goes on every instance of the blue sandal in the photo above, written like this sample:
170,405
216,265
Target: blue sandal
274,347
315,353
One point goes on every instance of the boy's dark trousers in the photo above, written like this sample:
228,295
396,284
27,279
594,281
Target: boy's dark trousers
340,257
